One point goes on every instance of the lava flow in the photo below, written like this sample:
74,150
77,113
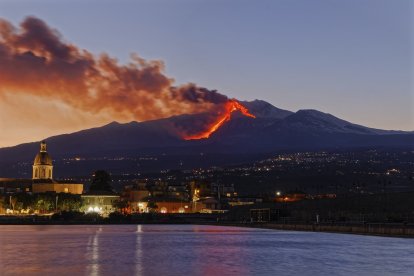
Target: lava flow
230,107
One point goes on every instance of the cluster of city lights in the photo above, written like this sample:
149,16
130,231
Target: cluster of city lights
95,209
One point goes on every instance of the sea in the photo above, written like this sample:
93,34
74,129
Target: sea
196,250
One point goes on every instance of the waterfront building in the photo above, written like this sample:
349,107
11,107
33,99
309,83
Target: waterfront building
101,202
170,206
137,196
101,197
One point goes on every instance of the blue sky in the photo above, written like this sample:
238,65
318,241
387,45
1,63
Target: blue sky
352,58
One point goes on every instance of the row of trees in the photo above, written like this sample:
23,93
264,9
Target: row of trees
51,202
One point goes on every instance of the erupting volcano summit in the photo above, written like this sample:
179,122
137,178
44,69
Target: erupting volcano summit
231,106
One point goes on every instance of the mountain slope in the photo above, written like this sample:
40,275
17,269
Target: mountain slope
273,129
315,120
305,130
262,109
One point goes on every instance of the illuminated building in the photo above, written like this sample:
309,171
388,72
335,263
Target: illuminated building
137,197
173,207
100,202
42,179
42,165
291,197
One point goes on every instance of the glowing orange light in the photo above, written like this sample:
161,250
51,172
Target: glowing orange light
230,107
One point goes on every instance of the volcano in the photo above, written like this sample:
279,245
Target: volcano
230,107
245,131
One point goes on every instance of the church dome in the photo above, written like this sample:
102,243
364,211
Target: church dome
42,158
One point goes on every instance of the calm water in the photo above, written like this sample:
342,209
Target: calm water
196,250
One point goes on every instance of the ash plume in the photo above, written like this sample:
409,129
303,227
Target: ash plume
36,60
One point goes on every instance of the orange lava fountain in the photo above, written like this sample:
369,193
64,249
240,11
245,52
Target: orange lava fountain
230,107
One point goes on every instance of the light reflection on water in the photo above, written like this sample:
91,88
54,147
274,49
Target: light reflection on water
93,253
196,250
138,251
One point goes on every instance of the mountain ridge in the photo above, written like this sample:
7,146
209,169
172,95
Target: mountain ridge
272,130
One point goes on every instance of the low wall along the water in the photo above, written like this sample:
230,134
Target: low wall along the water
366,229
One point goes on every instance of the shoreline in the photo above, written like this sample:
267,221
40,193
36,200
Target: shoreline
378,230
368,229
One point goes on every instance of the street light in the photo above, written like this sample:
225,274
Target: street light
11,205
56,203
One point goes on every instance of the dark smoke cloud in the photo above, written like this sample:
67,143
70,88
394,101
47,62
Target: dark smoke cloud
35,60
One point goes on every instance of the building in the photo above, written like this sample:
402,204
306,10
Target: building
101,202
42,165
291,196
42,179
137,197
49,185
15,185
170,206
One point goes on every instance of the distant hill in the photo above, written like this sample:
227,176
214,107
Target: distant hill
240,139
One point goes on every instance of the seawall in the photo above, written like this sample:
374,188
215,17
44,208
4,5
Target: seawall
390,230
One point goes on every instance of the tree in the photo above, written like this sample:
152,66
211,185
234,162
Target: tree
122,206
45,202
152,205
25,200
3,203
101,181
69,202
